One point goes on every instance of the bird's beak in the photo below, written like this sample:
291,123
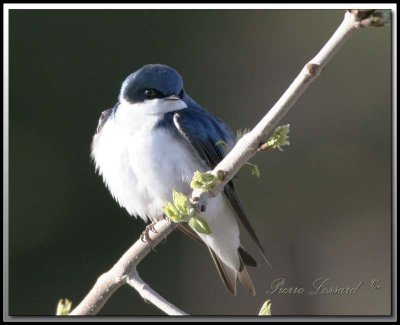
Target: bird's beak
172,97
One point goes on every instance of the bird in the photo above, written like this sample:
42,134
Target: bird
151,143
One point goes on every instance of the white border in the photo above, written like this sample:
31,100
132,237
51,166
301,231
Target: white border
7,7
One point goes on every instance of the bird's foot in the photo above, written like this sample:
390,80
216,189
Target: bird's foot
145,236
165,217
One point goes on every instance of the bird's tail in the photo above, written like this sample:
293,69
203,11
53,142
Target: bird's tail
228,275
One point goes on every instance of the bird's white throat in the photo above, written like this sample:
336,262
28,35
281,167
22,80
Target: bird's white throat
157,106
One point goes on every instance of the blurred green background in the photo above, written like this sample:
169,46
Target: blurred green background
322,208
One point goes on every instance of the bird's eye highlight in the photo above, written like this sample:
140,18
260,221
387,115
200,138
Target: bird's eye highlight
151,93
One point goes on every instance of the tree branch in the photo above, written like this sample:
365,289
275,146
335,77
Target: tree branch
149,294
250,142
124,271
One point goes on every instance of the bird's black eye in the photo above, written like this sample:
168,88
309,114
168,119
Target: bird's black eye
151,93
181,93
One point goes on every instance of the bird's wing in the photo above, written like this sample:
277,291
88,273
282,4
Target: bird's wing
203,131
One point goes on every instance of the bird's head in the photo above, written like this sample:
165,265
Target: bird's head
154,88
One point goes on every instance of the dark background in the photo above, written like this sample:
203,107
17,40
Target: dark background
322,208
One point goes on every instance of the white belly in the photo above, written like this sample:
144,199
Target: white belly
142,167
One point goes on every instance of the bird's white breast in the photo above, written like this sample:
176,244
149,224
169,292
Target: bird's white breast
141,163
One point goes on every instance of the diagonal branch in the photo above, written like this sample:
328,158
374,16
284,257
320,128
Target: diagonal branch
249,144
124,271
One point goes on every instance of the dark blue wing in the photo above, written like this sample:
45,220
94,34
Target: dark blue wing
203,130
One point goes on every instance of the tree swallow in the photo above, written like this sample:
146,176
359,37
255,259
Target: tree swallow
151,142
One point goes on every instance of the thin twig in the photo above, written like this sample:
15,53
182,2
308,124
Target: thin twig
149,294
124,271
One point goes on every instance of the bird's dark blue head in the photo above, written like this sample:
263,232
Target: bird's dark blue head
150,82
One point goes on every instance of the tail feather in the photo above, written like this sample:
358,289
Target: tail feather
246,258
228,275
245,280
